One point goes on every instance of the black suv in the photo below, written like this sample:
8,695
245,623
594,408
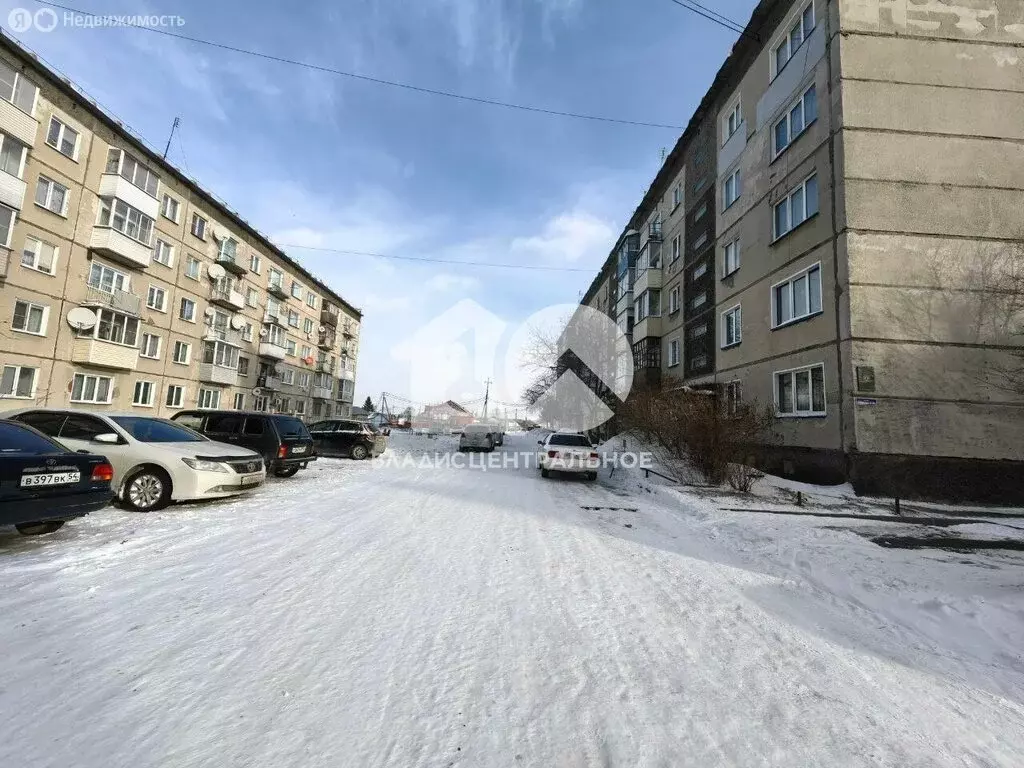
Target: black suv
283,441
343,437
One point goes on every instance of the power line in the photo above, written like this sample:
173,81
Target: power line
715,17
376,80
535,267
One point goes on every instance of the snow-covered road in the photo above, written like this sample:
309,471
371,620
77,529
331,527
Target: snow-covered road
397,616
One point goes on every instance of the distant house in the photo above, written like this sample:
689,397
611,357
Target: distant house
446,414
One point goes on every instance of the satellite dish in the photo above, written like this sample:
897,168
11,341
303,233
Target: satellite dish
82,318
210,312
257,391
264,331
237,322
308,360
216,271
323,328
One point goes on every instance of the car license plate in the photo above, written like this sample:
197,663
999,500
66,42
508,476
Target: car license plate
299,449
251,479
50,478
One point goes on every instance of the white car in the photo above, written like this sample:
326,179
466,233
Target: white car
477,437
568,452
155,461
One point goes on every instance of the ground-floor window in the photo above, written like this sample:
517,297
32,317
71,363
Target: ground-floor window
86,388
209,398
800,391
18,381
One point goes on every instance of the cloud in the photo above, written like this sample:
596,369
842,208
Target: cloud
445,282
571,237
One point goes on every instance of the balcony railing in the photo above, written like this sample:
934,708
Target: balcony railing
108,242
328,318
654,230
122,301
226,297
104,354
326,340
272,350
218,374
268,381
231,264
325,366
276,288
348,330
322,393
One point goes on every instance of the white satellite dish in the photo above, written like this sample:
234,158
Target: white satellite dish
237,322
82,318
210,312
323,328
263,332
257,391
216,271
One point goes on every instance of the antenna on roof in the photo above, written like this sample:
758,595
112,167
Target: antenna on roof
173,126
664,152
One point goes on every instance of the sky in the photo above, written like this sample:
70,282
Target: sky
318,161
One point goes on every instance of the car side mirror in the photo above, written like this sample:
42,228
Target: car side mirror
107,438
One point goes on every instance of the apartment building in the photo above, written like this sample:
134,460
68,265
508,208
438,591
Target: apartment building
868,190
124,286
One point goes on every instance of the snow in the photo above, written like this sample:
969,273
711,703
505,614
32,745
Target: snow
367,614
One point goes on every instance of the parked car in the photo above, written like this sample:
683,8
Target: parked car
351,439
477,437
283,441
155,461
43,484
568,452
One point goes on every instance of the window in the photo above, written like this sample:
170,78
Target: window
198,226
150,346
163,253
648,305
794,37
677,246
106,279
673,353
731,189
16,89
304,379
800,392
228,249
307,325
87,388
18,381
288,376
39,256
700,184
733,396
156,298
143,394
182,352
170,208
209,398
30,318
797,298
239,401
188,310
128,167
677,196
311,300
289,347
247,331
193,267
293,318
698,331
731,258
252,297
306,350
732,121
275,335
296,290
52,196
175,396
798,206
117,214
63,138
673,300
699,271
699,242
220,354
243,366
255,264
732,331
698,301
115,327
300,407
275,279
12,155
796,120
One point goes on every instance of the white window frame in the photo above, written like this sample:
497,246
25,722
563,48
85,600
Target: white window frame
290,347
44,318
18,373
64,127
675,355
181,309
125,279
288,377
156,290
310,299
733,183
50,185
255,263
304,379
252,297
293,318
677,247
307,325
129,322
700,242
792,373
703,296
161,248
787,119
170,204
296,289
786,36
96,379
699,271
788,202
677,195
275,279
143,349
16,80
807,311
147,389
189,261
35,255
731,121
736,312
208,399
239,401
733,396
731,258
112,208
673,299
179,400
142,175
199,222
247,331
187,346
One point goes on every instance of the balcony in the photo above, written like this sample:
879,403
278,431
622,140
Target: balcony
328,318
649,278
327,340
218,374
5,262
232,265
12,191
323,393
272,351
18,124
228,298
275,318
348,375
648,327
227,335
277,290
121,248
115,185
654,231
268,381
348,330
121,301
104,354
346,391
325,366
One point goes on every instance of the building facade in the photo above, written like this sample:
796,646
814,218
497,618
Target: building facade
858,276
124,286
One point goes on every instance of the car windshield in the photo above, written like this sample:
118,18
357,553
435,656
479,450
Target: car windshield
147,430
15,439
289,426
571,440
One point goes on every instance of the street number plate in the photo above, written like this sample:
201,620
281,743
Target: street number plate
50,478
299,449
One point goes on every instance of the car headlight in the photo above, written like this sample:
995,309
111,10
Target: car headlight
202,465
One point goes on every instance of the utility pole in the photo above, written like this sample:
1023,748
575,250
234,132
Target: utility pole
174,125
487,396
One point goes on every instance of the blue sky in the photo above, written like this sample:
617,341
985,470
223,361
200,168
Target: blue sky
313,159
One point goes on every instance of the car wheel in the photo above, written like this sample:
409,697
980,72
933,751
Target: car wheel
147,490
37,529
544,472
359,452
287,471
